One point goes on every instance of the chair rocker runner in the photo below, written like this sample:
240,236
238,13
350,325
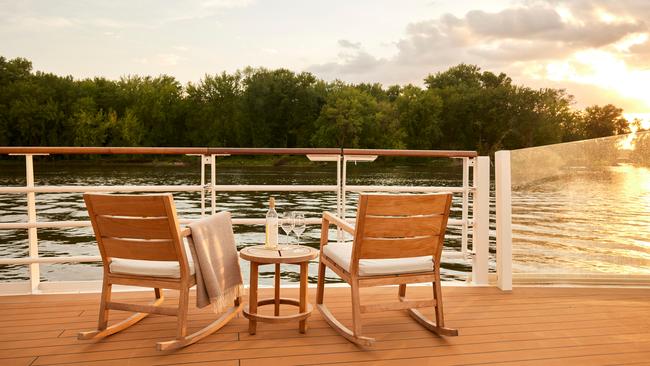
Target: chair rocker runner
398,240
141,245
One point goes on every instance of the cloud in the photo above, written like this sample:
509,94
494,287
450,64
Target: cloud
225,4
521,40
347,44
117,15
515,22
168,59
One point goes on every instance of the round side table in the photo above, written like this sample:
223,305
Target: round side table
258,255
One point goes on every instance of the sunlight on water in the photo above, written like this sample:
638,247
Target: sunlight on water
582,207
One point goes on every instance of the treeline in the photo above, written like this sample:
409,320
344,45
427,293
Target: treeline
461,108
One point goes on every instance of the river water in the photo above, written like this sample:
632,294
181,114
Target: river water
584,222
80,241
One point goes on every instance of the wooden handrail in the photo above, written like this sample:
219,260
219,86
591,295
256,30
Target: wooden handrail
228,151
414,153
160,150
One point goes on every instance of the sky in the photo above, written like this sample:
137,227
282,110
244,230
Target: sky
598,50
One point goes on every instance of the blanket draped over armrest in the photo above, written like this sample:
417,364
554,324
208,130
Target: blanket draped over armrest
218,276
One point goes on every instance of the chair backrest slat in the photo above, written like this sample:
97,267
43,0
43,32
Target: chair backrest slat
128,205
400,225
397,248
134,227
404,204
140,249
141,227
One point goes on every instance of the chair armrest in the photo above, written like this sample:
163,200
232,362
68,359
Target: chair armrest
342,224
186,231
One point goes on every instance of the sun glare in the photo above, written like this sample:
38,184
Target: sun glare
643,117
606,17
606,70
631,40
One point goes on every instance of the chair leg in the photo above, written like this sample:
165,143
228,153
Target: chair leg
103,330
183,303
354,335
437,294
439,326
356,308
329,317
107,288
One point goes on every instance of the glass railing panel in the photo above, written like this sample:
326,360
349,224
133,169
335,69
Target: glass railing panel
582,207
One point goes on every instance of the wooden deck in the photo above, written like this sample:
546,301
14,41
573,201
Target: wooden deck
531,326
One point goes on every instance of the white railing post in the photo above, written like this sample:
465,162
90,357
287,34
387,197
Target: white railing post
339,185
32,236
213,183
481,221
465,204
344,177
202,158
503,219
339,199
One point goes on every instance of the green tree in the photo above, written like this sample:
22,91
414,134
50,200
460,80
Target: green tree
419,115
353,118
213,110
603,121
279,108
156,102
475,107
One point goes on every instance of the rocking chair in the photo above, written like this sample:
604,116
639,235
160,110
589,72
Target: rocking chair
141,245
398,240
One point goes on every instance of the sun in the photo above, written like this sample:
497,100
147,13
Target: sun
643,117
607,68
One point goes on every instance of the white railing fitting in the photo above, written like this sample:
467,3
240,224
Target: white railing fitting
481,221
465,202
32,235
213,183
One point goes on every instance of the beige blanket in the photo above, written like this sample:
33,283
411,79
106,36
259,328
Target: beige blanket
218,276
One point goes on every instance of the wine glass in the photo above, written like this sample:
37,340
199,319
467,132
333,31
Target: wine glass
287,222
299,225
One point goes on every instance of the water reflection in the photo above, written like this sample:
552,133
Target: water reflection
576,214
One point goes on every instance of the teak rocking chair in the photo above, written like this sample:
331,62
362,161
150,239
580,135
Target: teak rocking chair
398,240
141,245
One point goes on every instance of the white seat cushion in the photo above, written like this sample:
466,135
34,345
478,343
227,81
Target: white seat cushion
170,269
341,254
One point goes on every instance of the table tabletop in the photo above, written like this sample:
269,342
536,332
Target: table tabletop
293,254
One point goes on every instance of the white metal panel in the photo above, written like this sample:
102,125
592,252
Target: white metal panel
402,189
34,268
503,219
481,235
276,188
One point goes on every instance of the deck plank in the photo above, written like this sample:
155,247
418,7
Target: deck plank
530,326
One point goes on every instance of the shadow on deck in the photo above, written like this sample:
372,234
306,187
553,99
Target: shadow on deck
530,326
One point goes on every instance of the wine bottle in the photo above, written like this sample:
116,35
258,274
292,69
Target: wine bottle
271,226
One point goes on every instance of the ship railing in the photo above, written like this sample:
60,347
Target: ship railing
474,222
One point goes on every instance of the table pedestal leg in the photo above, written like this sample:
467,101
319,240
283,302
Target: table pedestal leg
277,289
303,294
252,298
